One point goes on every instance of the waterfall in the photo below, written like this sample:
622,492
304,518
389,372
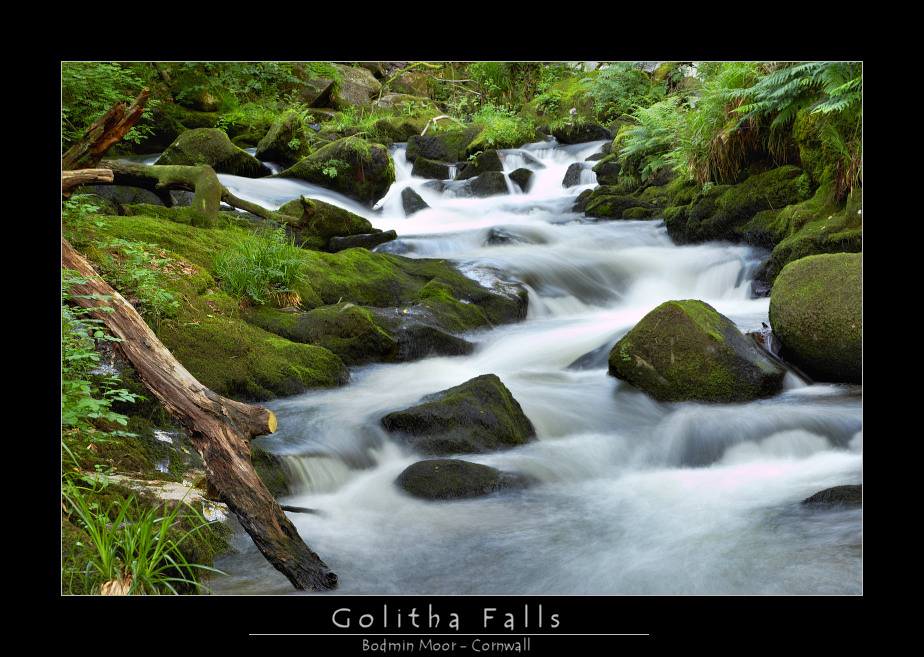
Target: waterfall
635,496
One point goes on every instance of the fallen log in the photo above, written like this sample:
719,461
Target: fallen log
72,179
104,133
219,428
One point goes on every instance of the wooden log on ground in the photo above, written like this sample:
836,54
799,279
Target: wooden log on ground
220,429
78,177
104,133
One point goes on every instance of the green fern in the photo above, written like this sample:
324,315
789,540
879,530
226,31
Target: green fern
823,87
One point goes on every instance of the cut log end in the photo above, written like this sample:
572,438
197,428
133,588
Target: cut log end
271,422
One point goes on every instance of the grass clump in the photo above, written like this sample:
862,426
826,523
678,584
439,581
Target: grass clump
263,268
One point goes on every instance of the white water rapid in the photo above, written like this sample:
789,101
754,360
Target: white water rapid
631,496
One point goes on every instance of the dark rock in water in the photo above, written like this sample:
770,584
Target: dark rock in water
490,183
522,177
573,174
592,360
412,202
479,415
443,479
482,163
366,241
849,495
426,168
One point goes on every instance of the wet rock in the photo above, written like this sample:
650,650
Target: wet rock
479,415
522,177
442,479
849,495
687,351
816,311
365,240
412,202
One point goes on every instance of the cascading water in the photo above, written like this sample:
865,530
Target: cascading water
631,496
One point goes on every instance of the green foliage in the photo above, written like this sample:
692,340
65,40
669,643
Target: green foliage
713,144
649,146
261,268
79,217
82,401
832,90
823,87
619,88
503,129
139,268
135,549
90,89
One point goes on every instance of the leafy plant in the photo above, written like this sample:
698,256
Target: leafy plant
649,146
262,268
90,89
141,268
82,401
503,129
619,88
135,551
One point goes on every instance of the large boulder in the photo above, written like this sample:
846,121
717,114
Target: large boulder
479,415
816,311
352,166
318,221
444,479
212,147
688,351
286,142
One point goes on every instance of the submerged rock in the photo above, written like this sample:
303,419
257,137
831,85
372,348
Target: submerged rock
848,495
687,351
479,415
442,479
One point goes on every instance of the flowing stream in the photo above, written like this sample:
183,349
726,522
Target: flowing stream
631,496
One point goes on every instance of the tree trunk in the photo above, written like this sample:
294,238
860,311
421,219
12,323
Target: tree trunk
220,429
104,133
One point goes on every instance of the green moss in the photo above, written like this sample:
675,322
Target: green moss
237,360
816,310
685,350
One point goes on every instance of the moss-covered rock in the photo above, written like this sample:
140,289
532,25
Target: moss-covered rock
483,162
445,479
286,142
322,220
244,362
448,146
353,166
579,132
816,311
687,351
345,329
817,226
479,415
722,211
212,147
383,280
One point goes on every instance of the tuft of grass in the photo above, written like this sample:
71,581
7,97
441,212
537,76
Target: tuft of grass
135,551
262,268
